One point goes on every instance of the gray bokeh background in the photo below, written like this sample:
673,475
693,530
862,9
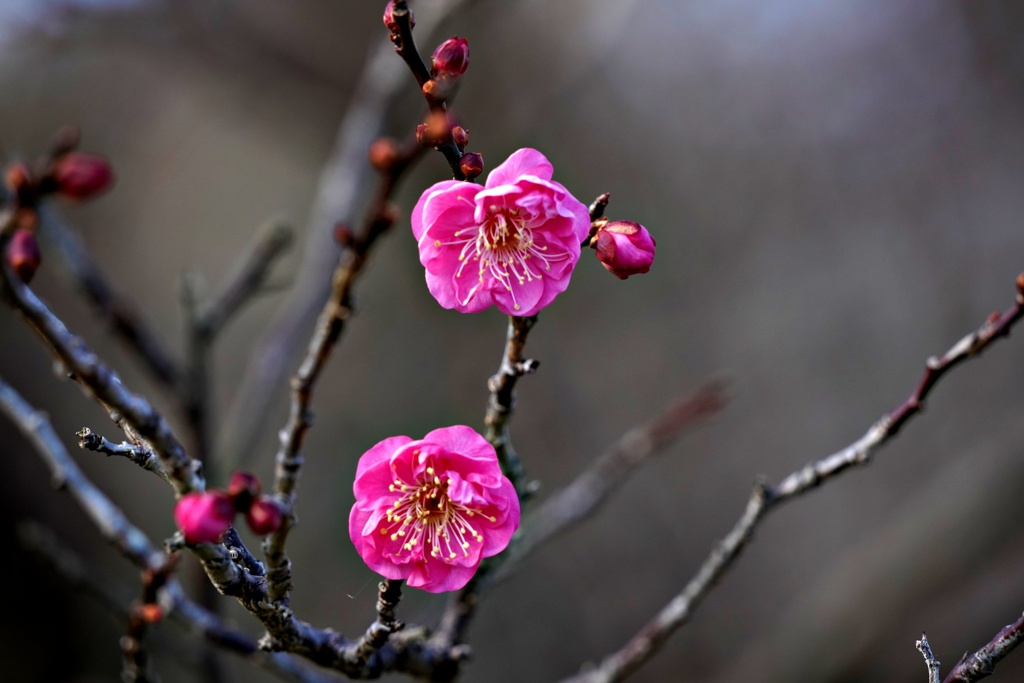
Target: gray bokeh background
836,193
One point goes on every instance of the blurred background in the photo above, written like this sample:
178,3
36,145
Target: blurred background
835,189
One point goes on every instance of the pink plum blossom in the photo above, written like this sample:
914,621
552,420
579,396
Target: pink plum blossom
625,248
428,511
512,243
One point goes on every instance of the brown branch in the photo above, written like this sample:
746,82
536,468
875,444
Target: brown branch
118,311
405,46
390,593
765,498
979,665
592,487
502,399
329,327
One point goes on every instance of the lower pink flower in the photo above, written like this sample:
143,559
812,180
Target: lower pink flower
512,243
429,510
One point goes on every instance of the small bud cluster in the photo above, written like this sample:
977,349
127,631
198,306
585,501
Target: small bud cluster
66,172
204,517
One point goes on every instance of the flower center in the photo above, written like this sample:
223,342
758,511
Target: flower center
428,520
505,250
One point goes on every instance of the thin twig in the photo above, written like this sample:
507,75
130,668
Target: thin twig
502,400
765,498
979,665
929,659
247,279
103,383
107,517
405,46
580,498
140,455
390,593
119,312
341,190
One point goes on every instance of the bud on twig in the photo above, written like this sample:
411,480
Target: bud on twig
23,256
471,165
460,137
389,17
204,517
624,248
383,154
264,516
82,176
451,58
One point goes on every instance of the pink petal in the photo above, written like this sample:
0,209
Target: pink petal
436,198
522,162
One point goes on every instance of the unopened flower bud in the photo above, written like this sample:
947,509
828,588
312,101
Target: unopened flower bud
436,91
264,516
389,17
151,613
23,255
451,58
82,176
18,177
243,489
460,137
204,517
625,248
383,154
471,165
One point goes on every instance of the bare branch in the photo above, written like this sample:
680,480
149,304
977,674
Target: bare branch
678,611
979,665
120,313
247,279
107,517
341,189
103,383
579,499
929,659
140,455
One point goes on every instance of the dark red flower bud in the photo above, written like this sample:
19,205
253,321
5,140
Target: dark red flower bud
264,516
82,176
343,235
471,165
460,137
625,248
451,58
204,517
23,255
389,17
243,489
383,154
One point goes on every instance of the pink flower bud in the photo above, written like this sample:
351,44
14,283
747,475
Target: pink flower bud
23,255
471,165
383,154
82,176
451,58
625,248
243,489
389,18
204,517
264,516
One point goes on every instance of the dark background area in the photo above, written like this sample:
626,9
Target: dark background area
836,193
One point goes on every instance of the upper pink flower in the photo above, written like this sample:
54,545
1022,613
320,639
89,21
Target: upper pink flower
428,511
512,243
